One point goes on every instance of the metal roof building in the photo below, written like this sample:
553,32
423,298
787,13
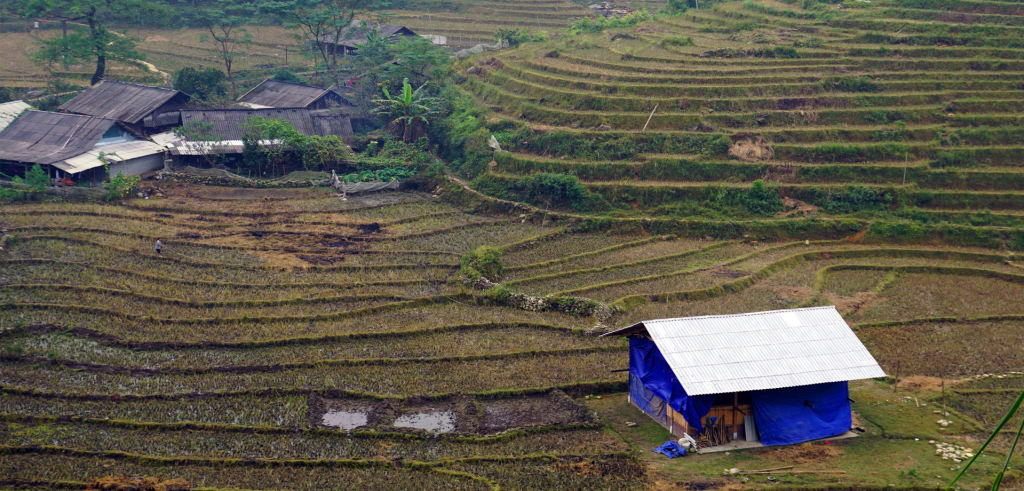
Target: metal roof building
688,364
46,138
278,94
228,125
128,103
355,35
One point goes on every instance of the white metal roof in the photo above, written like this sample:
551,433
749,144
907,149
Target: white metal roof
11,110
119,152
762,350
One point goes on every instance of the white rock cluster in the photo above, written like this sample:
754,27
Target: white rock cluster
956,453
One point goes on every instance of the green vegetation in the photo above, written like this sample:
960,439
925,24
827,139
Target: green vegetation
484,262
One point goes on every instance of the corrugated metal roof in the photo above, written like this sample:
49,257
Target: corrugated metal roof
762,350
354,35
11,110
119,152
229,123
275,93
46,138
123,101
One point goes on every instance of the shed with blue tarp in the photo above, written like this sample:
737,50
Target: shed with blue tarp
779,377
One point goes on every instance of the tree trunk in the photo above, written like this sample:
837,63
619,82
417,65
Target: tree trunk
407,135
231,78
101,49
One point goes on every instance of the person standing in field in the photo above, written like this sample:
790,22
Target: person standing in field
159,247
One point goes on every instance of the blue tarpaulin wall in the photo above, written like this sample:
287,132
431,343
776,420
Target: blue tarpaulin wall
798,414
644,399
649,367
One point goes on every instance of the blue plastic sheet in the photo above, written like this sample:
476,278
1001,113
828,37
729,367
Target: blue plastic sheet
798,414
648,365
644,399
671,449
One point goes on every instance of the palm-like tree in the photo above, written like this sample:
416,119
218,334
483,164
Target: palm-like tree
409,112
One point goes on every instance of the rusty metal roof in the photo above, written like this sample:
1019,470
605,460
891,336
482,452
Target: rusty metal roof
763,350
46,138
123,101
275,93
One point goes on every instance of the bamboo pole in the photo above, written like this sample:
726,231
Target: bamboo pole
649,118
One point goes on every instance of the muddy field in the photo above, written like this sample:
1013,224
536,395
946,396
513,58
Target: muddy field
463,414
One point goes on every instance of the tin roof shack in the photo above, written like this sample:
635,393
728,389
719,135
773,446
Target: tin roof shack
142,108
276,94
779,377
9,111
355,35
72,143
226,127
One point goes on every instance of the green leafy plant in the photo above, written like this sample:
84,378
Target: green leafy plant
484,262
762,199
408,112
1002,472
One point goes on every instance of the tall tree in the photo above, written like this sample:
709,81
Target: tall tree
225,20
323,20
91,38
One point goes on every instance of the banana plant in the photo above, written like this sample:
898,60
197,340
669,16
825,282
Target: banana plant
409,112
999,477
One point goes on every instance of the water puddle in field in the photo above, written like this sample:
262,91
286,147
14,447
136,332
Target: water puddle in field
437,422
345,420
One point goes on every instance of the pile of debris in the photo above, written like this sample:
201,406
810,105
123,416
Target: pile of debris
606,10
948,451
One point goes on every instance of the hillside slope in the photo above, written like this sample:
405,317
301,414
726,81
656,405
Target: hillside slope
917,106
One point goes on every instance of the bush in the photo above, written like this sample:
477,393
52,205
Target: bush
203,84
589,25
121,186
286,75
677,41
761,199
856,198
484,262
852,84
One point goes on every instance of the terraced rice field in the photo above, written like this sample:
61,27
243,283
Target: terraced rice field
918,102
298,341
468,22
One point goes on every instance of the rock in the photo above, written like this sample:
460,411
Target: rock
944,424
472,70
139,194
604,127
931,442
630,424
734,471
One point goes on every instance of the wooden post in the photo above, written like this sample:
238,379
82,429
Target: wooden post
897,381
649,118
943,398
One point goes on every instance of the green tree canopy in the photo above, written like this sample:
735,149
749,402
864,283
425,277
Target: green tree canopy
204,84
90,38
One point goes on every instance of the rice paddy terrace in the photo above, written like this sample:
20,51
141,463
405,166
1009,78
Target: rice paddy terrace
289,339
916,103
468,22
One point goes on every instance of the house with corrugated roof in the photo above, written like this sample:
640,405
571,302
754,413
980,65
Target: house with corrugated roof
357,35
734,381
224,128
277,94
144,109
71,145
